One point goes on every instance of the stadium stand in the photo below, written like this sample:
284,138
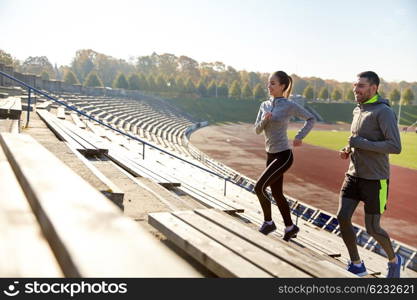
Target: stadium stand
148,141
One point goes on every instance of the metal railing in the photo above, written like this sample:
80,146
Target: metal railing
144,143
314,217
308,213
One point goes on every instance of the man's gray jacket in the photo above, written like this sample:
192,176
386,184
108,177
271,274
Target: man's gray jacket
375,134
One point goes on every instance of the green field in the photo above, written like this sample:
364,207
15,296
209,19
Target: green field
336,140
218,110
342,112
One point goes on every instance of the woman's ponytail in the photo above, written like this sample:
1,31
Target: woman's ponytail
287,91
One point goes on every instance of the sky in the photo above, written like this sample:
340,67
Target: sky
324,38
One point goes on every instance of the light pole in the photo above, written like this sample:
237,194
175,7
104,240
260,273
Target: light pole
399,109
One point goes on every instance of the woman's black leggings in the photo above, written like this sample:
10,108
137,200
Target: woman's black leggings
273,176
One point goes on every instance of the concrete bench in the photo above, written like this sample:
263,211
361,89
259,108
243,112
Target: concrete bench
71,229
230,249
44,105
77,121
10,108
60,113
78,139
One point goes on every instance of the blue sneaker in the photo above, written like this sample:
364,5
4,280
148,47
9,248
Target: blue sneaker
267,228
360,271
394,269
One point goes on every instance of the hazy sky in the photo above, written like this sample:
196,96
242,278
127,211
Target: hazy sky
326,38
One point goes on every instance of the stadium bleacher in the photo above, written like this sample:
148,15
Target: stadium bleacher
218,229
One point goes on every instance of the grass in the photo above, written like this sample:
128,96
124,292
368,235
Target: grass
342,112
218,110
336,140
222,111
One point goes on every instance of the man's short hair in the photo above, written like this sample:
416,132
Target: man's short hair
371,76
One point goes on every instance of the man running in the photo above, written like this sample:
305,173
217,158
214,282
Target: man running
374,135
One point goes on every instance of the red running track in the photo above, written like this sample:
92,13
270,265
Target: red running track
315,177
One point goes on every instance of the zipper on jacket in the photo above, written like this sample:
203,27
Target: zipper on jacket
356,134
359,120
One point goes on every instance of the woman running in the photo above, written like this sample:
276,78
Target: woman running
273,118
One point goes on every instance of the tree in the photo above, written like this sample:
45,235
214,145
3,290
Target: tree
299,85
167,64
45,75
211,90
93,80
37,65
381,93
134,82
235,91
143,82
171,84
246,92
308,92
336,95
201,88
151,83
161,84
350,95
407,97
108,68
188,67
189,86
232,75
70,77
120,82
58,74
180,85
83,63
259,92
222,90
6,58
254,79
146,64
394,96
207,71
324,93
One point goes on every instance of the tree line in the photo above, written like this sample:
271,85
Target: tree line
178,76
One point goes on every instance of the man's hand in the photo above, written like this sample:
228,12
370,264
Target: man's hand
297,142
344,153
355,141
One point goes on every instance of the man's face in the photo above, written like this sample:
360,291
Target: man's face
363,90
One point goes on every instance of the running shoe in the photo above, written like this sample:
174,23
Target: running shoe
360,271
394,269
291,234
267,228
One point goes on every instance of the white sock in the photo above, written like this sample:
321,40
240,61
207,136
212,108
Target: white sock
396,260
269,222
288,228
358,265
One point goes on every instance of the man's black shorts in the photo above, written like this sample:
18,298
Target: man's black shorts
374,193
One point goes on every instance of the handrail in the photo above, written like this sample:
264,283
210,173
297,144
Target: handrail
30,88
73,108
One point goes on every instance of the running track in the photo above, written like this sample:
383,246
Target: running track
315,177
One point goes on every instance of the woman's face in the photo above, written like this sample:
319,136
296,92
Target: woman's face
274,87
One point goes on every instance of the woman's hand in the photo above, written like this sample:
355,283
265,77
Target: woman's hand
297,142
268,116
